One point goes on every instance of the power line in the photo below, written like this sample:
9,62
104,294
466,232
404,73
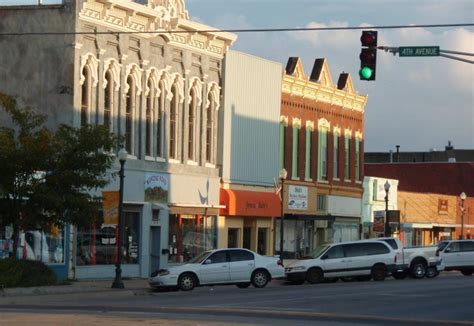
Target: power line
251,30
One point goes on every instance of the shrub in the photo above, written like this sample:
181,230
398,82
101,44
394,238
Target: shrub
25,273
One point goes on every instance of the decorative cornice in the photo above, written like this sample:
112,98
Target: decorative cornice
284,120
296,122
310,125
160,16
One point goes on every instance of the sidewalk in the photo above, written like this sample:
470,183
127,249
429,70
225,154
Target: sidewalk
81,286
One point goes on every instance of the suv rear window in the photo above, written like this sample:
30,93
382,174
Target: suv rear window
391,242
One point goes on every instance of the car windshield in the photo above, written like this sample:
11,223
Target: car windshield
442,245
199,258
318,251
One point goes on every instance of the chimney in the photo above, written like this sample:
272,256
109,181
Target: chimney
391,156
450,152
398,153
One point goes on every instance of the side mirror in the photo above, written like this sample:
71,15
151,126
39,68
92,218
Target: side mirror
207,262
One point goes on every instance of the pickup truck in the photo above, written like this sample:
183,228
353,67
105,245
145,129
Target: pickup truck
416,261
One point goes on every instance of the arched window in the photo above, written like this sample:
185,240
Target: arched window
108,99
86,96
159,120
148,117
191,124
173,122
210,127
129,109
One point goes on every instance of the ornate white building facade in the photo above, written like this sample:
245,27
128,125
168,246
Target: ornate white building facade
152,76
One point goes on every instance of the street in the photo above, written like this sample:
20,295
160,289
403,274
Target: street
445,300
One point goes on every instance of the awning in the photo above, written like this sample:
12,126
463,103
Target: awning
249,203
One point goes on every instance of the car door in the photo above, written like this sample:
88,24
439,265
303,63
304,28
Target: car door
215,269
452,255
356,258
242,263
334,263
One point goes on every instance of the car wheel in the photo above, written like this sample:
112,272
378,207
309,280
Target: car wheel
379,272
431,272
187,282
418,269
260,278
400,275
314,275
466,272
243,285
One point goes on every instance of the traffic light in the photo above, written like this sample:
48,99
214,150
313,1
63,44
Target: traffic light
368,55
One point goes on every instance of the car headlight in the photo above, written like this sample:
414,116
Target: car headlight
160,272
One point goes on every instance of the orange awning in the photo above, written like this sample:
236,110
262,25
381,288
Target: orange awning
249,203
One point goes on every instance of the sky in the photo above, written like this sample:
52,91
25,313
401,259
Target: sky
417,103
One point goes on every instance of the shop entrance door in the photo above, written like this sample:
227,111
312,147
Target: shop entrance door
262,241
247,243
155,237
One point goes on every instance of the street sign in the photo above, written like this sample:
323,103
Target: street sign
418,51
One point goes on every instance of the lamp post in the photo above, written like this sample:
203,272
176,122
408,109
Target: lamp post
386,186
118,283
283,175
463,198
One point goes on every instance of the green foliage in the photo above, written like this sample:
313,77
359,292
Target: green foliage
48,176
25,273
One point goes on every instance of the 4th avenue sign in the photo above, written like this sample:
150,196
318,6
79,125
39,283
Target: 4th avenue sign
418,51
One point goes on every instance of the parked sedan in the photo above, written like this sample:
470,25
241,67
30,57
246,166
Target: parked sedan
222,266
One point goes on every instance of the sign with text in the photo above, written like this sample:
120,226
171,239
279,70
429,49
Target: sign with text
298,197
156,187
418,51
110,206
379,221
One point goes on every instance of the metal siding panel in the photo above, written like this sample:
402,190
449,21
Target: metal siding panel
252,110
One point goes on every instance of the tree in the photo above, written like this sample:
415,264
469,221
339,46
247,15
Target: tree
48,177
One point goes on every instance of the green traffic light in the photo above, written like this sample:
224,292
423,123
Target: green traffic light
366,72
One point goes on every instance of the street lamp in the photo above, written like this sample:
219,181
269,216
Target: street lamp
387,226
118,283
283,175
463,198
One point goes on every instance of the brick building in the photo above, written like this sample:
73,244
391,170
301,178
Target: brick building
321,147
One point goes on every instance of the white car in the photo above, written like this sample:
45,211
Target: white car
457,255
222,266
364,259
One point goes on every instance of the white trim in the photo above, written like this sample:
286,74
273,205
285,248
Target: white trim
209,165
190,162
175,161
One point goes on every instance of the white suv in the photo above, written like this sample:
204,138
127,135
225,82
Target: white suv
367,258
457,255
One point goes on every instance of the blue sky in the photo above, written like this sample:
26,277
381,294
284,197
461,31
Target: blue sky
417,103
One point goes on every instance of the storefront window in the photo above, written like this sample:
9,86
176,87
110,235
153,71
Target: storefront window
97,245
190,235
299,238
47,247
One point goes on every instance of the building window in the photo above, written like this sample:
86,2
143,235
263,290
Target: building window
282,144
159,120
97,244
323,154
322,203
129,109
108,100
347,168
307,166
294,167
173,122
86,96
336,156
209,128
191,125
357,160
148,117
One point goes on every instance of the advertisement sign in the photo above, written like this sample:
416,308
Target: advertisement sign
110,206
298,197
156,188
379,221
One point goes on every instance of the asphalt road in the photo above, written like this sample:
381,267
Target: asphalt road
445,300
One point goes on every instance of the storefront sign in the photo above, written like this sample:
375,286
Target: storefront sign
298,197
379,221
110,206
156,187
